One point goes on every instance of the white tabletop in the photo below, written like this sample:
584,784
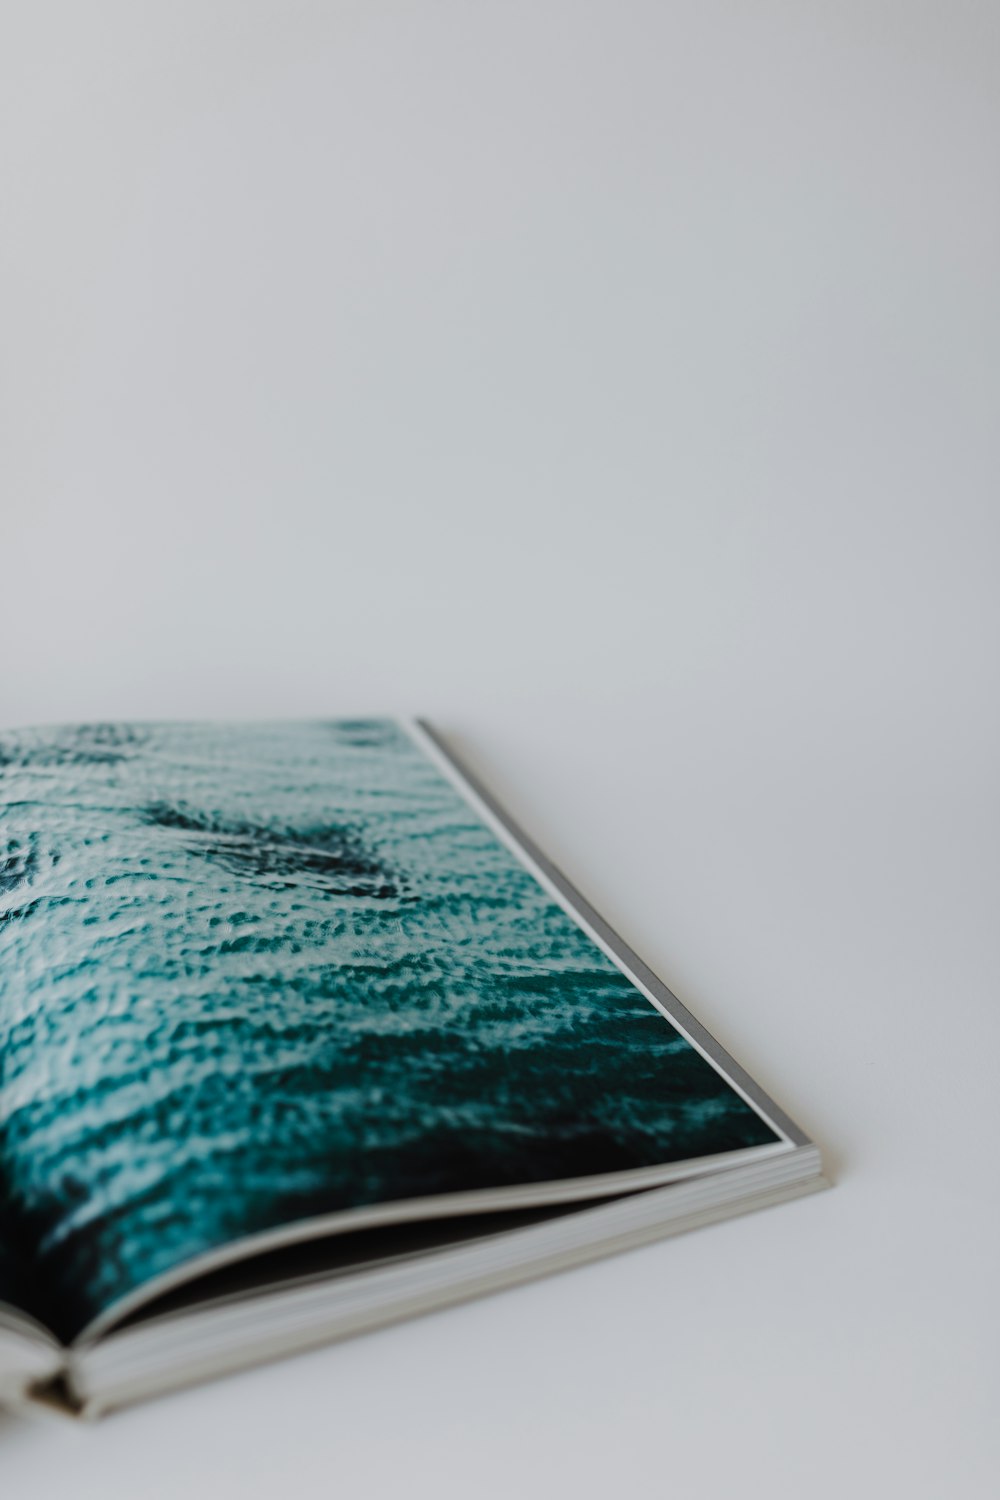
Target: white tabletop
615,384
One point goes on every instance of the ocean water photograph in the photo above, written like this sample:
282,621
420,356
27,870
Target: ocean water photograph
251,974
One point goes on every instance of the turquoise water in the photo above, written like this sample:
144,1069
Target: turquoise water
252,973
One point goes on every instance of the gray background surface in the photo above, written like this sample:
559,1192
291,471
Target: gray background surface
616,384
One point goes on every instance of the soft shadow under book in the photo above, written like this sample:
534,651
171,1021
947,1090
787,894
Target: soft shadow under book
300,1034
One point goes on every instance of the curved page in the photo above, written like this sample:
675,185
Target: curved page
252,976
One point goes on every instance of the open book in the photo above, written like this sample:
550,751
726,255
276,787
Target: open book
299,1034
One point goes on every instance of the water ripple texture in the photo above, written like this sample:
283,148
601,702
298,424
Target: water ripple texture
255,973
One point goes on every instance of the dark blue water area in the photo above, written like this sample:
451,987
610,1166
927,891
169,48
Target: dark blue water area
255,973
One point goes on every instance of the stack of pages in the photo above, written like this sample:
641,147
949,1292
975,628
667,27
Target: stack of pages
299,1034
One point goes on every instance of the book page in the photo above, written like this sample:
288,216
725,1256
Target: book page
256,974
14,1290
